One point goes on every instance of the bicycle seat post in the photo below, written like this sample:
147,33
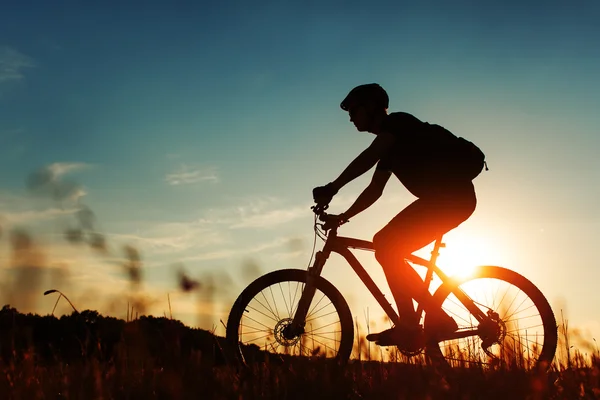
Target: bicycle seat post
429,275
436,250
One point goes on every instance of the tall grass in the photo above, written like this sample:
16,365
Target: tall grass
160,358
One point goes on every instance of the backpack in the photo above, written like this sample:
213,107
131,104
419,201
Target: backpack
470,160
461,157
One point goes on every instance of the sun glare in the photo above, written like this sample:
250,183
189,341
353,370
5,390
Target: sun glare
464,253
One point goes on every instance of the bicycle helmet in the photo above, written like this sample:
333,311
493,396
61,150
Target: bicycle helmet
369,94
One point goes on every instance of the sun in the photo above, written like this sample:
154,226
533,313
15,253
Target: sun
464,253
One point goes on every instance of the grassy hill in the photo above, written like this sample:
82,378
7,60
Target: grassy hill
89,356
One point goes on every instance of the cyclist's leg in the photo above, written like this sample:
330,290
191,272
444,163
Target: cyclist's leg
413,228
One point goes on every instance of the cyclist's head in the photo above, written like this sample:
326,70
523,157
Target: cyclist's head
366,104
371,96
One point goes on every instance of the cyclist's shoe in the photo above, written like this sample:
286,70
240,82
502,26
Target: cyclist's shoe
439,325
402,335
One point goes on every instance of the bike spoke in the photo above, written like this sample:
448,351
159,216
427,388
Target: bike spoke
508,317
324,344
272,345
284,301
529,327
256,330
260,323
258,338
274,302
269,305
262,313
528,340
321,316
501,301
315,312
315,306
324,326
507,312
325,337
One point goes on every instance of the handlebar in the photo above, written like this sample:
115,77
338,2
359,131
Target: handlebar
329,223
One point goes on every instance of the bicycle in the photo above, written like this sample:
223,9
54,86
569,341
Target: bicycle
298,322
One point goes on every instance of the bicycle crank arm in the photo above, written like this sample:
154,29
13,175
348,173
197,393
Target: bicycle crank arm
461,334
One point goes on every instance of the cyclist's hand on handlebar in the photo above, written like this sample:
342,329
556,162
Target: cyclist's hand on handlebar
322,195
333,221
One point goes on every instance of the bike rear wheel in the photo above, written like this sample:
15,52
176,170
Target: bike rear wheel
258,318
522,330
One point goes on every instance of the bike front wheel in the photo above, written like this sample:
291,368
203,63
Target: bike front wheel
520,330
258,318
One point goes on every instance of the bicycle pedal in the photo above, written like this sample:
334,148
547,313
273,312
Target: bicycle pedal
372,337
403,338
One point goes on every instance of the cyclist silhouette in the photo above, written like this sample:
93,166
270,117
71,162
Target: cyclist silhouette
424,158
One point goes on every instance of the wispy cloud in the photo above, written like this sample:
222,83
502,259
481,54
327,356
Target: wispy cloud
12,64
212,255
228,253
17,209
173,237
266,212
22,217
261,212
187,175
47,181
62,168
288,255
270,218
201,236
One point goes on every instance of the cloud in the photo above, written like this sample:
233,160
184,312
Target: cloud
16,210
59,169
270,218
288,255
48,181
266,212
257,248
22,217
263,212
213,255
214,228
173,237
268,245
187,175
12,64
52,173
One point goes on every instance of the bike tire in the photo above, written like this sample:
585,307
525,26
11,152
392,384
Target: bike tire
246,353
515,350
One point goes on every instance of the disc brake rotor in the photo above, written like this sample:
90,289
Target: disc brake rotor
280,330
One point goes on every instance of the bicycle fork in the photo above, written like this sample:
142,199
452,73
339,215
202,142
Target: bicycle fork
296,328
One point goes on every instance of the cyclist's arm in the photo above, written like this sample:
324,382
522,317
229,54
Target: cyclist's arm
370,194
365,160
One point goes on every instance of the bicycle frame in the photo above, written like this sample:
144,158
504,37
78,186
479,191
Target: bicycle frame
342,246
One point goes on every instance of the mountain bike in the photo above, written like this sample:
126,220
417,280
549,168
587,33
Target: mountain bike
503,318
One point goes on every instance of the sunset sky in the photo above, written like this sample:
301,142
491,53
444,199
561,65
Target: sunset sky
196,131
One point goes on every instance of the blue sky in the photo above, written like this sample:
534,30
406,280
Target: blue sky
195,132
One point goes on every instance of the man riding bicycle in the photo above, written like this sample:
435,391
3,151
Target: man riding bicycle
430,162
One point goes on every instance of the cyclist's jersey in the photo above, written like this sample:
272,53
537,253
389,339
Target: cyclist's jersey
420,156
